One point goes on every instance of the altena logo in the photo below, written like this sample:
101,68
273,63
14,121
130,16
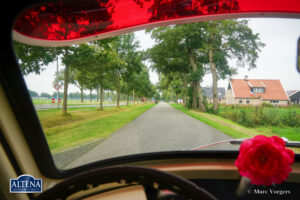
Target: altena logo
26,184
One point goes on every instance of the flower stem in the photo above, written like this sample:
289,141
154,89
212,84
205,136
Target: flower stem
243,187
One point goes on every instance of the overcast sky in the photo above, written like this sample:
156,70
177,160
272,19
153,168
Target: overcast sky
277,60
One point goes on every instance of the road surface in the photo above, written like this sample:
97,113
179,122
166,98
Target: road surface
161,128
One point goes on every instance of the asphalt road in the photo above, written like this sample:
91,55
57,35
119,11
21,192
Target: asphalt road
161,128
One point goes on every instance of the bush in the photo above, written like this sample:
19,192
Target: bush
229,115
268,105
270,118
291,118
250,116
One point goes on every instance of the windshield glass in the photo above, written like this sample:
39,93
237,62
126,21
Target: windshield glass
171,88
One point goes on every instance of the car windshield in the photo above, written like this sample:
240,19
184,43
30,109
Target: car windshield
172,88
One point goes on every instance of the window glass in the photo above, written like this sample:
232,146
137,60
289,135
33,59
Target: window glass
139,92
258,90
274,101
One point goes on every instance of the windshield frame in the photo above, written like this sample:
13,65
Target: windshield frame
18,96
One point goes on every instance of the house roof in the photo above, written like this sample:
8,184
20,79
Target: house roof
256,83
273,89
208,92
291,92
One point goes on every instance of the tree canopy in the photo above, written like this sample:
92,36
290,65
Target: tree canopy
192,50
181,55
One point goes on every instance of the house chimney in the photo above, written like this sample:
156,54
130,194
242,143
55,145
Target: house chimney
246,78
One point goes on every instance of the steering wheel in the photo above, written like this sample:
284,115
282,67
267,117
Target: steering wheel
129,175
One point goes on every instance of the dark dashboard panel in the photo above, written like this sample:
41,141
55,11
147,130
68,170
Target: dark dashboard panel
225,189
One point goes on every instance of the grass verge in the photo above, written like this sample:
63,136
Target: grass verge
83,125
226,126
237,131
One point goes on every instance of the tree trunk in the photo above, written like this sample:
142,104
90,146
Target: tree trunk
118,91
66,84
133,96
200,100
127,97
214,77
101,98
194,103
91,95
196,84
185,88
98,93
81,94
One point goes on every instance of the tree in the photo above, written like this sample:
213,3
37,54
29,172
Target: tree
75,95
33,59
77,59
228,39
66,54
80,80
126,47
143,85
76,77
44,94
33,93
177,51
105,67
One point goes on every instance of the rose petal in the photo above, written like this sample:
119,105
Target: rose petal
265,160
277,140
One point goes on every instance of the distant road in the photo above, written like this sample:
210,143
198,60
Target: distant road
53,106
161,128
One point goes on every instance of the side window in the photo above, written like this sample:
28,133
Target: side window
258,90
274,101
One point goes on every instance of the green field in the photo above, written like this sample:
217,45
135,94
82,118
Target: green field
236,130
83,125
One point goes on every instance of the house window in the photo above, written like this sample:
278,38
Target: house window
259,90
247,101
274,101
220,100
240,101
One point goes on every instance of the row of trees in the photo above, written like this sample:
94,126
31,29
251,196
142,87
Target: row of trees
114,64
183,54
108,95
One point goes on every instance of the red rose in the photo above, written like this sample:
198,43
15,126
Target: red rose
265,160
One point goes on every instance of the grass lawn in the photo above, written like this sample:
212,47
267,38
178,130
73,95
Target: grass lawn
83,125
291,133
238,131
226,126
